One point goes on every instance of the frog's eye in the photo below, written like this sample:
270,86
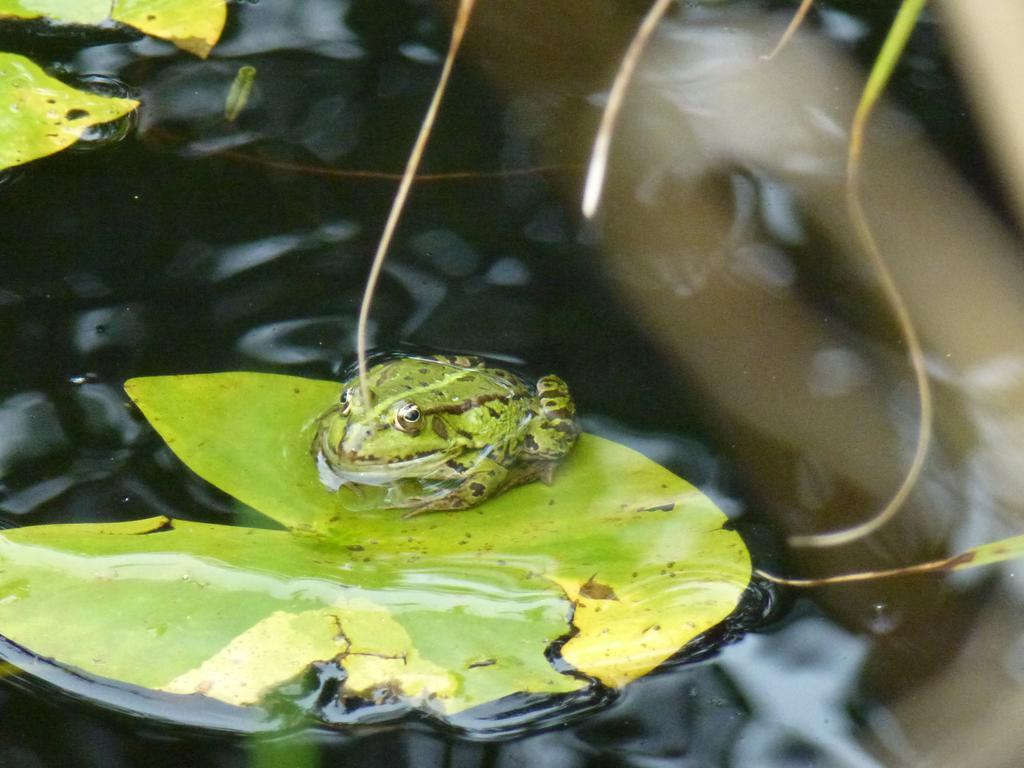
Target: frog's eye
346,402
408,417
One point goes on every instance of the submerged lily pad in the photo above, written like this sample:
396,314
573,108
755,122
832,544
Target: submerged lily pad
446,610
40,115
232,612
194,25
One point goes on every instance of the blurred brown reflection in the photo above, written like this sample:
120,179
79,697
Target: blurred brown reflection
987,48
725,230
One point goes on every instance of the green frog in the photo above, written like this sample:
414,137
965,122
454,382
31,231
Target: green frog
444,433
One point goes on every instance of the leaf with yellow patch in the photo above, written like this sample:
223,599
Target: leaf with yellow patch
40,115
269,653
193,25
444,611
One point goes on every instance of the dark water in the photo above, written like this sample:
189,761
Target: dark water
195,245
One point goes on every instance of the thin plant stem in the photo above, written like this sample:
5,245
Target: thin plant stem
458,31
368,175
933,566
791,29
893,47
594,184
986,554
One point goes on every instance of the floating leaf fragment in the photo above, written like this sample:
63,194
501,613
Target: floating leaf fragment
67,11
193,25
40,115
238,93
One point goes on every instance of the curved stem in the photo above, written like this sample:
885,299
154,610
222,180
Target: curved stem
791,29
458,30
594,184
891,50
933,566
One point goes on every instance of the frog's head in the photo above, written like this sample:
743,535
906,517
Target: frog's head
418,418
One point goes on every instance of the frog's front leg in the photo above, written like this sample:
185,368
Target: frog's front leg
481,481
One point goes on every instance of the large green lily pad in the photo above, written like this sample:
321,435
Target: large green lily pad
448,610
231,612
193,25
40,115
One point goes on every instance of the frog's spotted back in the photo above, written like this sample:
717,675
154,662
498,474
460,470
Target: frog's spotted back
461,361
445,432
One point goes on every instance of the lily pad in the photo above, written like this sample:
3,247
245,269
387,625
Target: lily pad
193,25
40,115
231,612
445,610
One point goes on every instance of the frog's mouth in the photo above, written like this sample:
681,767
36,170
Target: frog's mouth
339,472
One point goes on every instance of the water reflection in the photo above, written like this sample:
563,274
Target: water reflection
292,342
446,252
806,390
29,429
117,326
509,271
227,262
103,135
315,26
837,371
42,460
799,687
9,176
765,265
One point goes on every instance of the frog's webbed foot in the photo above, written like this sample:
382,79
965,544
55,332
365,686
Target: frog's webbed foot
483,480
441,500
546,472
431,507
529,471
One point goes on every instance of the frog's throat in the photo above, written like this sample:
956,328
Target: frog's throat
334,472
